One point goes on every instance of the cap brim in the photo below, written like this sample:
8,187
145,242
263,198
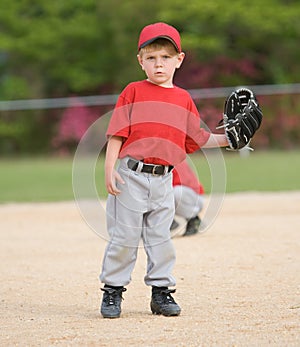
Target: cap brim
156,38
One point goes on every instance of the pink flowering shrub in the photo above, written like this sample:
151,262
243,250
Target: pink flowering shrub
72,126
281,122
211,74
280,127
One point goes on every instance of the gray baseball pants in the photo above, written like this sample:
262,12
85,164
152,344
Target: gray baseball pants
188,203
144,210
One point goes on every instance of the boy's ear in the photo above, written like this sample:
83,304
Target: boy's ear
140,60
181,56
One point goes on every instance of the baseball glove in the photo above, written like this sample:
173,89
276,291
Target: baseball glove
242,117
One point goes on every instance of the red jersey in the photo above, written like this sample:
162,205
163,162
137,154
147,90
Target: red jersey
183,175
159,125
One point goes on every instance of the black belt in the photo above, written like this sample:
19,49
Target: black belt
148,168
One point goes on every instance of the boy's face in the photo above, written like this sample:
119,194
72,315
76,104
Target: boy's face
160,65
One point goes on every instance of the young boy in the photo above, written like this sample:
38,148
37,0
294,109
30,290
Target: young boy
153,126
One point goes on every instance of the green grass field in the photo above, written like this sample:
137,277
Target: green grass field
50,179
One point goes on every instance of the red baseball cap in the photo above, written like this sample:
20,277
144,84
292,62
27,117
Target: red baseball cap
156,31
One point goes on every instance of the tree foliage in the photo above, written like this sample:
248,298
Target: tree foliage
57,47
81,47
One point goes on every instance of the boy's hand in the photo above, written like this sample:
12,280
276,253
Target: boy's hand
111,180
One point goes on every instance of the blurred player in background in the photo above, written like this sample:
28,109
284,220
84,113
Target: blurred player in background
189,199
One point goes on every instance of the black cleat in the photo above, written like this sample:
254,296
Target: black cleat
192,226
163,303
111,302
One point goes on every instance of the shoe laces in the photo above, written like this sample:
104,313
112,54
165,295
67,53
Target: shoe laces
167,297
112,294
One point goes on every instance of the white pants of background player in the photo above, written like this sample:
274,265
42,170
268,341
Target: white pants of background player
143,211
188,204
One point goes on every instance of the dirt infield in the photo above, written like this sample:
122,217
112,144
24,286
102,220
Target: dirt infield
238,283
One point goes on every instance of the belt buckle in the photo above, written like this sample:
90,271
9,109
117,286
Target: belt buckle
153,170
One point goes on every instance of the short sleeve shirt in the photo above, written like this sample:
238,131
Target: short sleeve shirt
158,125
